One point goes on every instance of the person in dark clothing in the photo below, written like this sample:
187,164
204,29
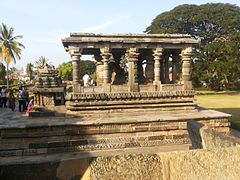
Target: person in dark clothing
22,99
0,97
11,100
4,97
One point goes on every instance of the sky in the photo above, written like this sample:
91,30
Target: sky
43,23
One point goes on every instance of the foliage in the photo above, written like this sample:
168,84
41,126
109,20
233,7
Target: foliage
10,48
65,71
217,60
85,67
42,62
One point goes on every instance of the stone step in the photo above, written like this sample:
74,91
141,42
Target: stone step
164,106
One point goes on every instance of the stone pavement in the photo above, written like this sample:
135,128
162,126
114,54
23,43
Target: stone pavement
9,119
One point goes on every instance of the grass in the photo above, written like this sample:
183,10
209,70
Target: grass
225,102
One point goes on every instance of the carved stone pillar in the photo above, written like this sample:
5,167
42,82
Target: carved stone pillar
186,67
75,53
166,64
157,54
132,58
99,69
99,73
175,68
105,55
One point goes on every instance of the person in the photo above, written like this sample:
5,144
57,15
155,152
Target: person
86,78
30,103
0,97
22,99
11,100
4,97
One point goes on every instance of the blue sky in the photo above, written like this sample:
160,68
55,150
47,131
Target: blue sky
44,22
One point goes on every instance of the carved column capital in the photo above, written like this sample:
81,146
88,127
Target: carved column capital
157,53
75,51
132,54
186,54
105,53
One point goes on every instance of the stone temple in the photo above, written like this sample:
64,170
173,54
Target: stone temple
139,121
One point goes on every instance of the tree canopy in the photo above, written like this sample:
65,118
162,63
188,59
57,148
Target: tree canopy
217,60
65,69
10,48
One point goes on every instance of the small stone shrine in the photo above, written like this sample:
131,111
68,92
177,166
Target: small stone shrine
48,90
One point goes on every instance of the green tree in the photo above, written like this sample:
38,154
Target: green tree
10,48
217,25
65,69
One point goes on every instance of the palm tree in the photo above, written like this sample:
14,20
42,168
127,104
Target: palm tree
41,62
10,48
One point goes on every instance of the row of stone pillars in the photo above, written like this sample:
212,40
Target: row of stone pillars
161,66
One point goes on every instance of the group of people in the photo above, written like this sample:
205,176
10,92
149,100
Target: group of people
8,99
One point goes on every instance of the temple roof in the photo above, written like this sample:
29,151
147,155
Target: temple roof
91,42
129,38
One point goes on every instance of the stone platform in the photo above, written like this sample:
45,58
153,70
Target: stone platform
26,136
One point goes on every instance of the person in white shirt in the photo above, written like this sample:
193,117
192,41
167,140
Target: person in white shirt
86,79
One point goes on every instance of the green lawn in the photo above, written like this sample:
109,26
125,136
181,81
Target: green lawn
229,103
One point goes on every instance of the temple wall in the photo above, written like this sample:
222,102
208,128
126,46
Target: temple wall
222,163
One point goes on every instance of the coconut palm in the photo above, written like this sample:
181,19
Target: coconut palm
41,62
10,48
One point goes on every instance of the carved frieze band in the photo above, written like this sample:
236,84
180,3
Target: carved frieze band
132,95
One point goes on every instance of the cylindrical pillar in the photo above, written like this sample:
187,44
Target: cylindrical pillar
157,54
186,67
105,55
75,64
132,58
75,53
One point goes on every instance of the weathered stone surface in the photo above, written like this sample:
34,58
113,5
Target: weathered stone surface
207,138
126,167
222,163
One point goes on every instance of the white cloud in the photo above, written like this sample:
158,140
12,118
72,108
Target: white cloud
106,24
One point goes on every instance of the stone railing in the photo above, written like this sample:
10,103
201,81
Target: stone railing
131,95
124,88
